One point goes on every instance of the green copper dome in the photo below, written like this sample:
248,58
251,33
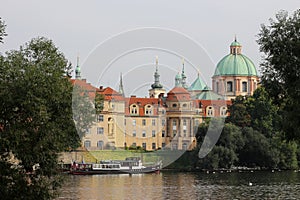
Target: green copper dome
198,84
209,95
235,64
235,43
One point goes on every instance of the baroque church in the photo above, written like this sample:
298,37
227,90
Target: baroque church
168,119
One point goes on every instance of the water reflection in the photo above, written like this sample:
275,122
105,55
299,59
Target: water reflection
167,185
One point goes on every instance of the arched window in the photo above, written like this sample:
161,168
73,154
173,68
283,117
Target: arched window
134,109
210,111
223,111
148,110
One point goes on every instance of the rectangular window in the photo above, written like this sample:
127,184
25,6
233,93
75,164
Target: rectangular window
163,145
87,143
100,130
229,86
100,144
184,133
174,146
100,118
153,133
163,122
244,86
153,122
144,134
133,122
134,144
153,145
134,133
88,131
144,122
174,124
144,145
174,133
163,133
196,123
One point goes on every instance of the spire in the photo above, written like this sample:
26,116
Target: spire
77,70
156,83
183,76
121,89
178,79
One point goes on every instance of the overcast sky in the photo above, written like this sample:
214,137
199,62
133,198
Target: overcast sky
103,32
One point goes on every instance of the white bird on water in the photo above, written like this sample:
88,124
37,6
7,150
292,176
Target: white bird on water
250,184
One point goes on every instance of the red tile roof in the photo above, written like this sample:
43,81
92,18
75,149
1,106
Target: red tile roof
178,94
110,94
142,102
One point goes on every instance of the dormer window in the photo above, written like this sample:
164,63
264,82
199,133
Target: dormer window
148,110
223,111
210,111
134,109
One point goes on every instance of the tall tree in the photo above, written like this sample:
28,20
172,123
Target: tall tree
36,120
2,30
280,42
239,114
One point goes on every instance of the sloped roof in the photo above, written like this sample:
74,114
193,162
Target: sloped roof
197,85
142,102
178,93
110,94
209,95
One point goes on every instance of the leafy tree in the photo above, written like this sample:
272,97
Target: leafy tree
280,42
36,120
224,153
83,108
263,112
257,151
239,114
2,30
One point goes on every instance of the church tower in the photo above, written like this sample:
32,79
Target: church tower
235,74
156,87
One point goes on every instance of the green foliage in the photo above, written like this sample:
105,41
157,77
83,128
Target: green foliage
36,120
99,103
257,150
280,42
2,30
264,114
224,153
84,114
239,114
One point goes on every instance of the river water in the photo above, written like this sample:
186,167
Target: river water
179,185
